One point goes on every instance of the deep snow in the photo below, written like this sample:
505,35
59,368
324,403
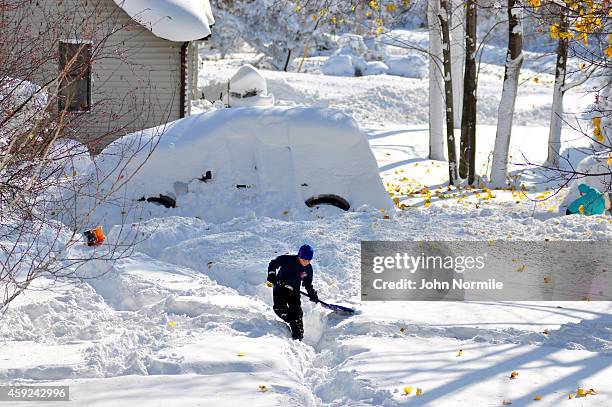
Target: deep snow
187,319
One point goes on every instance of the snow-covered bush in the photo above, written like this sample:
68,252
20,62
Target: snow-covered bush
375,68
22,103
409,66
351,44
339,65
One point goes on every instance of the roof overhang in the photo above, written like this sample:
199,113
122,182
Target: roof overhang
173,20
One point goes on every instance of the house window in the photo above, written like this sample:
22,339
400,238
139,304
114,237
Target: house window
75,76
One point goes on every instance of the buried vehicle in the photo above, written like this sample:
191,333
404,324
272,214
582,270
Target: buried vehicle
266,161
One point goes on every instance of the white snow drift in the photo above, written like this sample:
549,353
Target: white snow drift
266,161
174,20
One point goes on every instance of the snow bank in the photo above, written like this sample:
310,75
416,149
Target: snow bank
594,164
232,162
174,20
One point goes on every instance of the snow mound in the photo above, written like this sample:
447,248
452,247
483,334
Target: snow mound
174,20
339,65
375,68
593,164
410,66
247,161
351,44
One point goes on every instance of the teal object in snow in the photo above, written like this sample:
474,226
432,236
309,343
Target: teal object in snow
591,199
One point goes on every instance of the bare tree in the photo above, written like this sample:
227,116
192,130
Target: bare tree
457,28
468,118
514,61
556,118
45,102
444,16
436,99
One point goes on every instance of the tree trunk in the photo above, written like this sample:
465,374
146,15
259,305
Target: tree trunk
468,117
287,60
457,25
514,61
556,117
444,16
436,103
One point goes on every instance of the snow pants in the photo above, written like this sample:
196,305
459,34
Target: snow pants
288,307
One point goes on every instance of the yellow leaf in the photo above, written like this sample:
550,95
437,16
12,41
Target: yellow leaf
408,390
263,387
537,397
581,209
547,280
521,268
597,129
419,391
240,354
427,203
580,392
609,161
592,392
570,396
513,375
171,323
460,353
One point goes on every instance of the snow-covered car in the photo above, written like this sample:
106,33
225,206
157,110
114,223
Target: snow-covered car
231,162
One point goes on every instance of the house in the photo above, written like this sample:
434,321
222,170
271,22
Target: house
115,66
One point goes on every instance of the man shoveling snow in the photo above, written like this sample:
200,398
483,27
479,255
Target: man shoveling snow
286,273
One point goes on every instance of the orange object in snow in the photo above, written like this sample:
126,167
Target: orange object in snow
94,237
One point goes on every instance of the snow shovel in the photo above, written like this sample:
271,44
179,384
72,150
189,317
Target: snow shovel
333,307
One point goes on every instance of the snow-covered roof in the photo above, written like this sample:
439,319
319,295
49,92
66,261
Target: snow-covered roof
174,20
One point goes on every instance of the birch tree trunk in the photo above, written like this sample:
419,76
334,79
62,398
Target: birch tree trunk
556,116
436,103
444,16
468,117
514,61
457,27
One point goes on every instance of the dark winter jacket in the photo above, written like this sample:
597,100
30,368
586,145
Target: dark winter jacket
289,271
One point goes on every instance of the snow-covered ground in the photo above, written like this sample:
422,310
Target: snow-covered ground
187,319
